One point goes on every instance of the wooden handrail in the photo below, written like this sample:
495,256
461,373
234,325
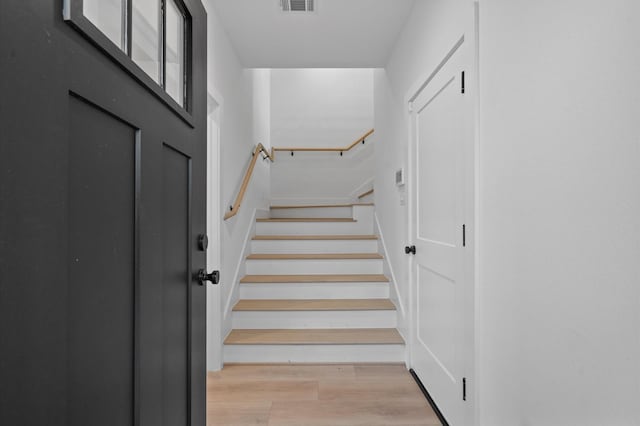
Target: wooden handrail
347,148
247,177
271,156
369,192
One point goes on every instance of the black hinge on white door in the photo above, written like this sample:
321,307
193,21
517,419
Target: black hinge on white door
464,388
464,235
462,82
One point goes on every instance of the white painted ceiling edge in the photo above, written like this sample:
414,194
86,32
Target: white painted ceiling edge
338,34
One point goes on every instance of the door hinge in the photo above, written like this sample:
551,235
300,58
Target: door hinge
462,82
464,388
464,235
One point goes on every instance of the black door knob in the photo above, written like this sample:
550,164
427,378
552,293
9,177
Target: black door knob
410,249
214,277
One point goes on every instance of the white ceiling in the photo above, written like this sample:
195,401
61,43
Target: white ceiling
340,34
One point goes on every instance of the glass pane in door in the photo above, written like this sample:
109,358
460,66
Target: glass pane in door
108,16
175,53
146,36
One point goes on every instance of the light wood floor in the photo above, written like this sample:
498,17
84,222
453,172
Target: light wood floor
312,395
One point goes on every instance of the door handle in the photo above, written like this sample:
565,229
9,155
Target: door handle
410,250
214,277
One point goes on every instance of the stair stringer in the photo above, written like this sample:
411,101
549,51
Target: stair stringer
364,215
394,292
234,294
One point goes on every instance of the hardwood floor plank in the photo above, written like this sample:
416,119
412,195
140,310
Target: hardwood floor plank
353,413
284,394
339,336
238,413
372,388
314,305
284,372
381,370
262,390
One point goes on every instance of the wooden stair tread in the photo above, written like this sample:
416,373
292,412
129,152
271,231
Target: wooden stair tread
316,206
314,305
315,278
314,237
306,219
338,336
312,256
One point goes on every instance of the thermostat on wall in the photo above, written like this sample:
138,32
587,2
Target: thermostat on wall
400,177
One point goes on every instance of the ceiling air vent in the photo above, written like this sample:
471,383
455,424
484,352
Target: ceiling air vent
297,5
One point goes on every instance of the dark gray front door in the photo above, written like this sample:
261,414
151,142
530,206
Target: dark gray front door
102,199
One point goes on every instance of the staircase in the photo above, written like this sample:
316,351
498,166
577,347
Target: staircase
314,291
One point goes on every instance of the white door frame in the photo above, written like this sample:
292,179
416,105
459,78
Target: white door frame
214,217
470,39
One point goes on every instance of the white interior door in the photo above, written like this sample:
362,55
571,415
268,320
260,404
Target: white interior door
440,132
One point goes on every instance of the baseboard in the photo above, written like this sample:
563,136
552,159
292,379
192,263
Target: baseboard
429,399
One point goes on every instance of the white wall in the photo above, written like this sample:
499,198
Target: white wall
262,107
432,30
308,178
559,213
321,108
235,86
559,169
391,154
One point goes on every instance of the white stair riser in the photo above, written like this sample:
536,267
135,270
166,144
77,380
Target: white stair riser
314,228
315,291
313,353
313,319
294,267
314,246
314,212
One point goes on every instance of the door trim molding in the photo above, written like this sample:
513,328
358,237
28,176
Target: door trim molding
417,88
214,220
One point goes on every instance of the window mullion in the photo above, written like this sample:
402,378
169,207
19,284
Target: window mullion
186,61
128,27
163,44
